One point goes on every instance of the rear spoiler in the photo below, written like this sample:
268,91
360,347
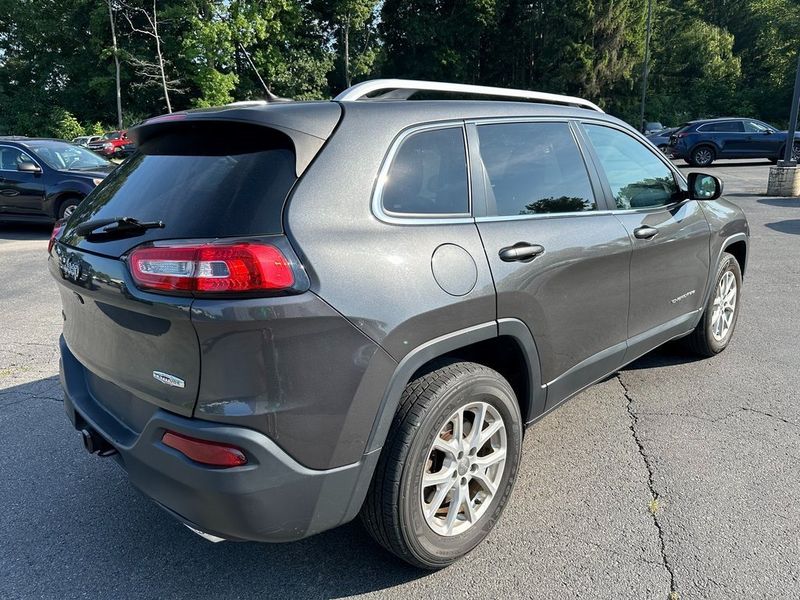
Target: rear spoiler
307,124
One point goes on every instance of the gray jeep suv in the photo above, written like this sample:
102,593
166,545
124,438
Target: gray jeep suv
280,316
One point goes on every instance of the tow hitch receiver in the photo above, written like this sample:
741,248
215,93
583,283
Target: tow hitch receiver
95,443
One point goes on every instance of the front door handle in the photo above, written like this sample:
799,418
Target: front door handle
645,232
521,251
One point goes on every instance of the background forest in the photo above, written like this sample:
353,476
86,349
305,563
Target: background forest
58,58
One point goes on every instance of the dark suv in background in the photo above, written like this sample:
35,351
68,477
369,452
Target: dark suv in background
702,142
44,179
280,316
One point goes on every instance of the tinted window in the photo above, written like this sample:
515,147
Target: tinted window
201,183
638,178
428,175
534,168
724,127
10,157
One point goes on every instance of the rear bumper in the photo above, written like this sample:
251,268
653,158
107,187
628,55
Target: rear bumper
272,498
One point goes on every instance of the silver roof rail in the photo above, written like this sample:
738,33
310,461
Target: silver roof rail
402,89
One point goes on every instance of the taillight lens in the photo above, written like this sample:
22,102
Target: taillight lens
681,135
211,268
205,452
54,234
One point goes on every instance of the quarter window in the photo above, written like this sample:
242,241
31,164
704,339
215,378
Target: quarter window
428,175
638,178
534,168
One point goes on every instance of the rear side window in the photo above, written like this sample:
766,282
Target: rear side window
428,175
203,182
534,168
638,178
723,127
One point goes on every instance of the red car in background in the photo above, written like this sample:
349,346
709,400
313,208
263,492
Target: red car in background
111,144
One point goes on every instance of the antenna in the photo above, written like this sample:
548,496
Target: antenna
270,96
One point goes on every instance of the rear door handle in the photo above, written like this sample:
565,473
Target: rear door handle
645,232
521,251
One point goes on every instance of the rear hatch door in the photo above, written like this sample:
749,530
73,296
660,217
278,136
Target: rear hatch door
203,182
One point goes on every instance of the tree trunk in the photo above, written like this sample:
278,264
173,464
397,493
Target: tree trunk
346,35
116,64
160,58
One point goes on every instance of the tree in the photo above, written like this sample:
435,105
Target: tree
64,125
115,52
148,17
352,25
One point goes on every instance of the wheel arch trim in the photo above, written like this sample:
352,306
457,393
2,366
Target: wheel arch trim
451,342
712,267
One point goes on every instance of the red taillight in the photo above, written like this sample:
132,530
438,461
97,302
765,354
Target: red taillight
56,230
206,452
211,268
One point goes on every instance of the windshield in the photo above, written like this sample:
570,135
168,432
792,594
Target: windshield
62,156
114,135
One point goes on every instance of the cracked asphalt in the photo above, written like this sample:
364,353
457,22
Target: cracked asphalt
675,476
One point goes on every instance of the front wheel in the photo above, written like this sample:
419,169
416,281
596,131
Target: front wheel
448,466
715,329
67,207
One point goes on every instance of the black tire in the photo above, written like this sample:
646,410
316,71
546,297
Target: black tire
65,204
702,156
795,153
702,340
393,511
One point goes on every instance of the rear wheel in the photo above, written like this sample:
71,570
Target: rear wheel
702,156
448,466
715,329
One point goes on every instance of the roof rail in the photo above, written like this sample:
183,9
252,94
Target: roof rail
403,89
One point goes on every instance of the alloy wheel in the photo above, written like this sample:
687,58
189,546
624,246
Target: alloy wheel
724,306
703,156
464,468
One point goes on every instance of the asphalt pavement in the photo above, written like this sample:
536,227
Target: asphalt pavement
675,475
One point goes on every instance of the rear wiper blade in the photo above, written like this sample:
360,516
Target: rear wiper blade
121,225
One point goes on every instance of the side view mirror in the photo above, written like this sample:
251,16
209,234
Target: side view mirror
28,167
704,187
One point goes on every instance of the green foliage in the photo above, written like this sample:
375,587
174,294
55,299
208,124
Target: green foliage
64,125
708,57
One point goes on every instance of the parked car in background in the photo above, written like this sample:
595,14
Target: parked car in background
702,142
125,150
44,179
660,139
651,127
279,316
111,144
85,140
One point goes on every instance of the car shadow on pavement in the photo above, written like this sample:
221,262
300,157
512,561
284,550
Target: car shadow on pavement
25,231
668,355
781,202
724,163
79,519
788,226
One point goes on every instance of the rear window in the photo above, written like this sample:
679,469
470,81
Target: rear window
200,181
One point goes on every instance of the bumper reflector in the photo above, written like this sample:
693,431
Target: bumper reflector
206,452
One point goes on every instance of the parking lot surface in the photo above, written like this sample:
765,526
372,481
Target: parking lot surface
676,474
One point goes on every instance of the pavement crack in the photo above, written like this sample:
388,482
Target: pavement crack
634,420
770,415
